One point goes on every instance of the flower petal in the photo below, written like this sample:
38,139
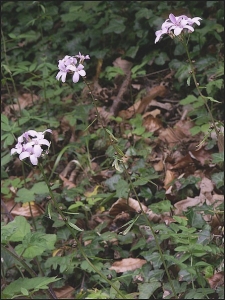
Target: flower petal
24,154
33,160
37,150
76,77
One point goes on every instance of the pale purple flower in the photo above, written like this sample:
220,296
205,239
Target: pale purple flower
78,71
63,67
33,152
30,145
162,31
177,24
82,57
69,64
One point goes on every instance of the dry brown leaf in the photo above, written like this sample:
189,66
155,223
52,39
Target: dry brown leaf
153,113
105,115
152,124
170,176
125,205
66,182
183,205
216,280
201,155
184,162
127,264
125,65
159,166
25,100
205,196
166,106
153,216
140,106
206,185
66,292
24,210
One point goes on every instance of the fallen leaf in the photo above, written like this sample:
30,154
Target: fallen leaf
126,205
170,176
140,106
152,124
216,280
127,264
66,292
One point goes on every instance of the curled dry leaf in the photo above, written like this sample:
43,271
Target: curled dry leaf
170,176
153,113
159,166
183,205
24,210
125,204
201,155
216,280
66,292
127,264
206,185
166,106
152,124
66,182
140,106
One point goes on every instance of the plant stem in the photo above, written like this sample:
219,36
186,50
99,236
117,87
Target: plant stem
198,89
128,177
74,236
21,261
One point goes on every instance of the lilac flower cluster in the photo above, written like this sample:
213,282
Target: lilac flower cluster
29,145
69,64
177,24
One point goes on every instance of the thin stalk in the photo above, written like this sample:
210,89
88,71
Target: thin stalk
74,236
153,233
198,89
128,177
22,262
6,59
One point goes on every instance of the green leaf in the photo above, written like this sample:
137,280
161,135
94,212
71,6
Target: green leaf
40,188
214,85
143,13
161,59
122,189
116,26
161,207
30,284
35,243
111,183
74,226
16,230
218,157
132,51
195,219
24,195
213,100
195,130
189,99
4,119
146,290
218,179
